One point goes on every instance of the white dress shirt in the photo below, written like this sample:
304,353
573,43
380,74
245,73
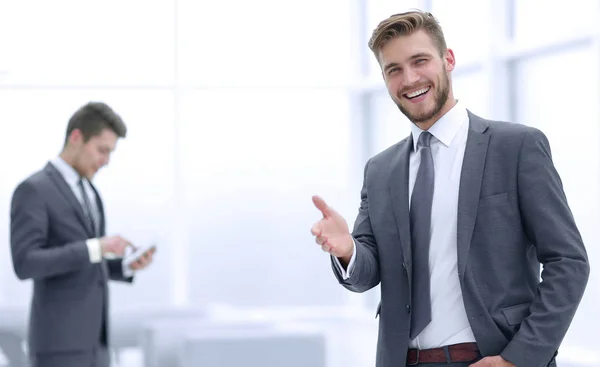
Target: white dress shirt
72,178
449,322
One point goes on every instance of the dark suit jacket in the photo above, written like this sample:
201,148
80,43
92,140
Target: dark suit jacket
48,231
512,216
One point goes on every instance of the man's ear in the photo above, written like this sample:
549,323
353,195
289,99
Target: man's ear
76,137
449,60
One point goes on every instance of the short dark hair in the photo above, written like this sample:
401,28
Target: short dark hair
92,118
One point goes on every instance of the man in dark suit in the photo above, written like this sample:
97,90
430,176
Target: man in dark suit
454,223
58,240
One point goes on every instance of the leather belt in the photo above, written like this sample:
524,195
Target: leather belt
463,352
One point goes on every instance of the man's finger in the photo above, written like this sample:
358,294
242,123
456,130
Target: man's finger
141,263
316,229
148,252
322,206
320,240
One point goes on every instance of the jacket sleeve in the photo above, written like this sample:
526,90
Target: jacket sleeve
364,273
550,226
117,272
29,225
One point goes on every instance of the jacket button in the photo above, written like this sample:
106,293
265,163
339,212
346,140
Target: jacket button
408,308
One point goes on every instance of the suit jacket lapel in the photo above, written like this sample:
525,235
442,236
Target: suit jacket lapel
399,194
470,187
67,193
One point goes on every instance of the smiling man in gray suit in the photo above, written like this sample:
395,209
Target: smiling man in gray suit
58,240
454,223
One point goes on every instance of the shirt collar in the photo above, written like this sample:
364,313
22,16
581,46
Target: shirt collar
65,169
446,128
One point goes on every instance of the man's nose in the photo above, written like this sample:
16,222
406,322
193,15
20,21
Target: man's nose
410,77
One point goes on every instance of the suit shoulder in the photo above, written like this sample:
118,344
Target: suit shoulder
33,182
511,128
512,132
390,152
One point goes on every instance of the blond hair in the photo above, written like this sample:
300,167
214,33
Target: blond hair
405,24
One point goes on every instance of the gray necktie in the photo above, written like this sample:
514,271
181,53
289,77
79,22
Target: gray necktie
420,223
87,207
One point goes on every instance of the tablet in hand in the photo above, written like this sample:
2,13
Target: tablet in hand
138,253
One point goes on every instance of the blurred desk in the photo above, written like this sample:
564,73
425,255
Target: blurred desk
13,333
258,347
127,326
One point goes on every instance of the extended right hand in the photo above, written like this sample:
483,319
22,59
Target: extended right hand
332,232
114,244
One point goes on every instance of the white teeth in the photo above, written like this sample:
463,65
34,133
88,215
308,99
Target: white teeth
417,93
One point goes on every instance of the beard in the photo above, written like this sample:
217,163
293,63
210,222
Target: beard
439,100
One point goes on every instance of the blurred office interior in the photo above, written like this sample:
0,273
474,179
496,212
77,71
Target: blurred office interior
238,111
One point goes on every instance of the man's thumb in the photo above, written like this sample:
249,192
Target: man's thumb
322,206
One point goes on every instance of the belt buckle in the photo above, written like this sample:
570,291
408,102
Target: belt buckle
417,361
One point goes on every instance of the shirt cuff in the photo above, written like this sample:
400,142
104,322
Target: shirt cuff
94,250
346,273
127,271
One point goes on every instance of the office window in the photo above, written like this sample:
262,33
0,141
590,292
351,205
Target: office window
569,119
5,39
251,160
264,43
70,42
136,186
557,110
539,20
466,27
556,96
386,125
472,89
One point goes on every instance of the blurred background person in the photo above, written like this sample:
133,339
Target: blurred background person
58,240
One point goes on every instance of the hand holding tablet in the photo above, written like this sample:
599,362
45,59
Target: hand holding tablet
140,257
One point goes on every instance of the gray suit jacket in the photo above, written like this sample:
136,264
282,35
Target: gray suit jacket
48,231
512,216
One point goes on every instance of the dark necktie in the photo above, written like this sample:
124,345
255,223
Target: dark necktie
86,205
420,224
